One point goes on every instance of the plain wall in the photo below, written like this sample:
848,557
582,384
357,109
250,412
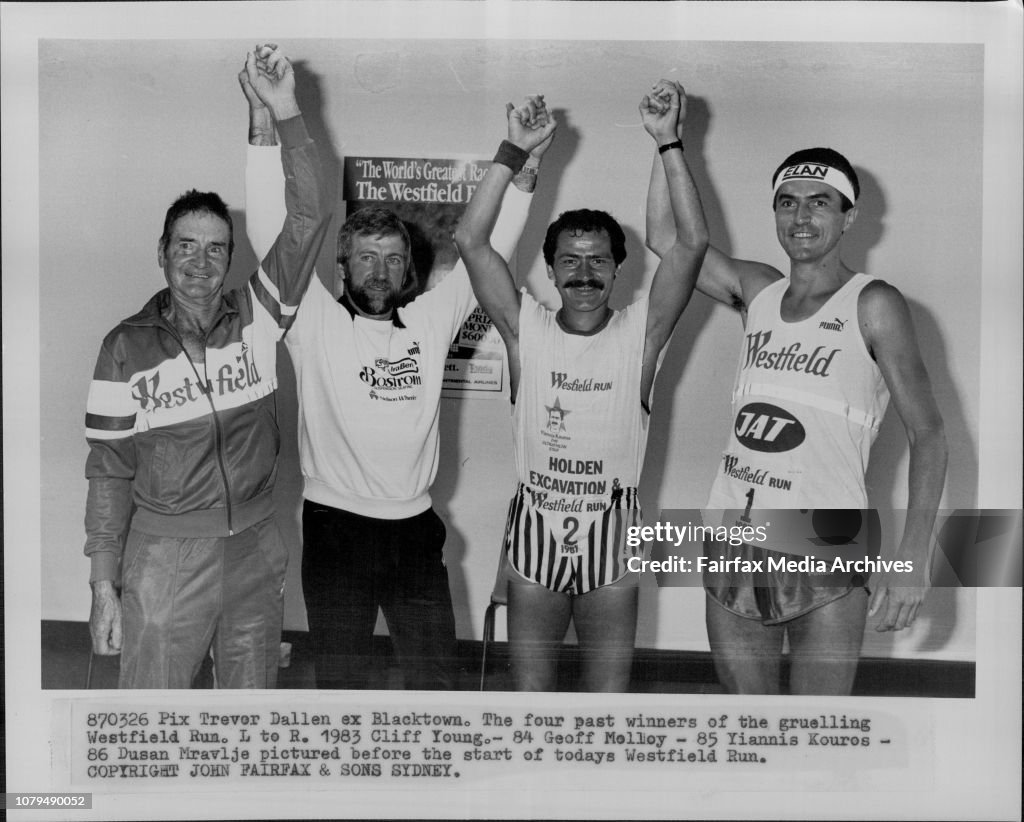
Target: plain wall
127,127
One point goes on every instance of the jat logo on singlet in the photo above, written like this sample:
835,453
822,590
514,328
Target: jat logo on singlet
763,427
146,391
790,358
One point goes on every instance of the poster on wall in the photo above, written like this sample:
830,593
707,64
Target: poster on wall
430,194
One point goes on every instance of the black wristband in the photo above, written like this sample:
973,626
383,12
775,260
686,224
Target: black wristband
669,146
509,154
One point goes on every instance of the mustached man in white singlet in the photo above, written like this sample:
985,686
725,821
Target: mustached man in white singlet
824,350
581,380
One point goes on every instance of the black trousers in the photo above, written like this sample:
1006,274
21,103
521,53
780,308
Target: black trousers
353,565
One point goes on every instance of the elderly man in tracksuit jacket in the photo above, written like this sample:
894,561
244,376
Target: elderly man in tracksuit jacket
183,437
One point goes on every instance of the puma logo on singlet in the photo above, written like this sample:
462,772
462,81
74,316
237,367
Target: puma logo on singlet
832,325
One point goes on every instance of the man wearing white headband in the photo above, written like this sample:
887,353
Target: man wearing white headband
824,349
820,165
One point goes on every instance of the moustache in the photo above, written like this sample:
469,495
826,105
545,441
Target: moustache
579,283
378,284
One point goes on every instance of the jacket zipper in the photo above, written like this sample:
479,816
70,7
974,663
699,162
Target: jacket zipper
218,434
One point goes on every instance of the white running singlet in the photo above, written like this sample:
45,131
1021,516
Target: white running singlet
579,434
807,405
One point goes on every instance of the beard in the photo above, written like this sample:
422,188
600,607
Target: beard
371,300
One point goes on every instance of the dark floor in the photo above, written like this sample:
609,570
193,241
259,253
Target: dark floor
66,658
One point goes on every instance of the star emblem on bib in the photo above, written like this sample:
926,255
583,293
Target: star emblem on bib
556,417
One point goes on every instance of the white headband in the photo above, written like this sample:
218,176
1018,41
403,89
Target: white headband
817,171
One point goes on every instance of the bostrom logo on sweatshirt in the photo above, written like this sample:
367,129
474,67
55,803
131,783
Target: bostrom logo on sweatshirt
393,375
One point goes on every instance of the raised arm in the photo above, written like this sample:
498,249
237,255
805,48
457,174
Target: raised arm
725,279
264,195
530,130
268,83
889,334
677,272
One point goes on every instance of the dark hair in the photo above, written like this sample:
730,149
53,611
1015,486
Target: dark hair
581,220
824,156
376,221
198,202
